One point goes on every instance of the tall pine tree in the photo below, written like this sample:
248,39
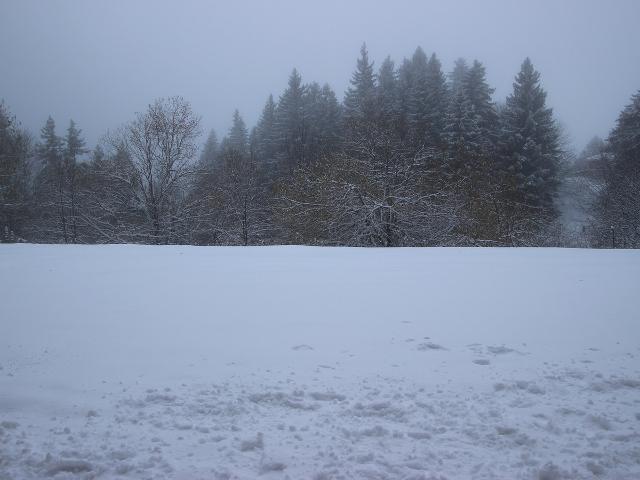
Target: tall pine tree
238,139
74,147
418,101
618,205
209,153
387,95
359,100
52,179
266,140
532,142
436,101
290,123
458,75
478,93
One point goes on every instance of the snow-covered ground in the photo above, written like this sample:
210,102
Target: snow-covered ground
314,363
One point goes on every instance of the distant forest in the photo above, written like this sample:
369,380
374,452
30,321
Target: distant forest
412,156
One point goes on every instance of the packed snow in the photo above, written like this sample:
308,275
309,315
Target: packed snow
139,362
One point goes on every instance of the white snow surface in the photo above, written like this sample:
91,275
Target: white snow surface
136,362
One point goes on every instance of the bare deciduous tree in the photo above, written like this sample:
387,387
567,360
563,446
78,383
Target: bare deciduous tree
162,144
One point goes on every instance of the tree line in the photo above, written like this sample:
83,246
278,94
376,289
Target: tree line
412,156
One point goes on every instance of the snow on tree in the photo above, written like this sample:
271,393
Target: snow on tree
531,140
238,138
161,145
359,100
478,94
617,215
418,102
290,123
50,188
209,152
458,75
265,135
437,96
15,178
388,101
74,146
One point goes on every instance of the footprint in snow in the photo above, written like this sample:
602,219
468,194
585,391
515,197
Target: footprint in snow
501,350
430,346
302,347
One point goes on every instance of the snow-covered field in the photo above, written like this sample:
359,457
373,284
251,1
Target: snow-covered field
311,363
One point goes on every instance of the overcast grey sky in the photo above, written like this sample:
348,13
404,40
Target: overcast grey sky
99,62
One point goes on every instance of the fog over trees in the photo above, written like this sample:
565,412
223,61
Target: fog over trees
413,156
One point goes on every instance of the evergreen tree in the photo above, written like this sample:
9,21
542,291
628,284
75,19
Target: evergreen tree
418,101
291,123
50,149
359,100
617,210
74,143
322,119
458,75
15,178
478,94
436,101
472,121
51,180
387,95
331,118
531,141
209,152
313,121
624,139
404,91
427,104
266,139
74,147
238,139
462,131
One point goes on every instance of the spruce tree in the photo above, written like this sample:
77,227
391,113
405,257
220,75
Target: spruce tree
531,140
404,90
15,152
472,121
462,132
290,122
436,101
266,132
618,207
209,152
331,118
418,101
387,95
359,101
322,119
52,178
313,121
238,135
458,75
478,94
74,147
50,149
624,139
